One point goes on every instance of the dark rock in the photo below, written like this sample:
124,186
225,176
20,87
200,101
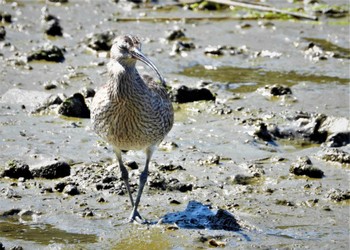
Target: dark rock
277,90
75,106
59,186
131,164
16,169
338,195
49,53
88,92
304,167
109,179
336,155
52,171
339,139
2,247
184,94
101,41
11,212
51,23
263,133
5,17
71,189
180,46
159,182
175,34
175,202
216,51
169,167
2,33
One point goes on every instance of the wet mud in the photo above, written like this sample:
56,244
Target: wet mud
259,154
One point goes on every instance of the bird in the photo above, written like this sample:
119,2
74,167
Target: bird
130,111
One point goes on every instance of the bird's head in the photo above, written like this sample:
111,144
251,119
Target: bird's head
126,50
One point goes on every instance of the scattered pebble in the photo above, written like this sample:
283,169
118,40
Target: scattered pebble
52,170
100,41
335,155
51,23
175,34
338,195
48,52
75,106
305,167
71,189
184,94
17,169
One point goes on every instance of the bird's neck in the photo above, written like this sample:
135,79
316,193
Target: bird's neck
121,80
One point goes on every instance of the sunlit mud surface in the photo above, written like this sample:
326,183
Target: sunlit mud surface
224,162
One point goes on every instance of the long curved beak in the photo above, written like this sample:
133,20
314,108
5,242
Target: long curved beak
136,53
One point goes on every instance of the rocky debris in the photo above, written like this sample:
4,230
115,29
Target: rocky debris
2,33
268,54
181,46
253,175
47,52
335,155
71,189
211,160
303,126
263,133
316,53
168,146
51,23
304,166
50,103
278,90
5,17
75,106
52,170
175,34
199,216
158,181
100,41
169,167
59,186
17,169
184,94
131,164
339,139
214,50
338,195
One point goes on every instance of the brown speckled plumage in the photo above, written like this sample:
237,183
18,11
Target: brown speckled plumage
131,112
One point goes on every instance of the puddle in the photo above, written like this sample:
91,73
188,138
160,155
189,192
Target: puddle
44,234
244,80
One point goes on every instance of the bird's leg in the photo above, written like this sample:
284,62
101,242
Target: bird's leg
125,175
143,179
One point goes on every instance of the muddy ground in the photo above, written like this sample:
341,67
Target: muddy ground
272,149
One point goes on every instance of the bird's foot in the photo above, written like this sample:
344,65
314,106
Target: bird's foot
135,217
